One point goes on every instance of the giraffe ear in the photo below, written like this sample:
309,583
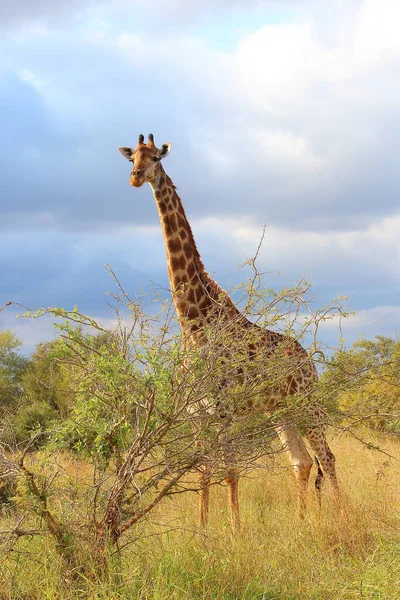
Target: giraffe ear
164,150
126,152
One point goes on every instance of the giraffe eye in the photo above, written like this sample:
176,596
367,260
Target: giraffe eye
156,158
131,160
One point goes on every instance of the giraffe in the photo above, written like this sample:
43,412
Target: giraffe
199,300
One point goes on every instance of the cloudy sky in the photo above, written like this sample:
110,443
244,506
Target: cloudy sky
284,113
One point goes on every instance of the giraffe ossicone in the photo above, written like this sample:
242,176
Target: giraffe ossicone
204,301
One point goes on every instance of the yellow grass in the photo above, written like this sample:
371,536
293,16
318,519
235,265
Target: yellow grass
327,556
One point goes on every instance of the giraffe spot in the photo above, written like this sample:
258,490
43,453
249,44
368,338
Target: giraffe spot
205,303
191,296
167,226
193,313
187,249
182,262
183,234
181,221
162,180
174,201
174,245
199,293
172,220
162,206
175,263
191,270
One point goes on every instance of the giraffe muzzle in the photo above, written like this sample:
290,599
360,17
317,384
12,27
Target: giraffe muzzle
137,178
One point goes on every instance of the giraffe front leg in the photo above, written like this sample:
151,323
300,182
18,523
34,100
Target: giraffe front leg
232,480
204,495
301,462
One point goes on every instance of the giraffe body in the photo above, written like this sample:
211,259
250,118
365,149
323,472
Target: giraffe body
200,302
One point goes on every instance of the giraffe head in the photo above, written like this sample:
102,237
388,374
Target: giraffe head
146,160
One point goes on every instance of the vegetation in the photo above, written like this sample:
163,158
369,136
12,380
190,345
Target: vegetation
12,366
103,433
353,556
366,383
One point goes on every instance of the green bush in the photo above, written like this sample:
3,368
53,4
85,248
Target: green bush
31,419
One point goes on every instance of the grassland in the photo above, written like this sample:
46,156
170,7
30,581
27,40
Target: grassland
276,557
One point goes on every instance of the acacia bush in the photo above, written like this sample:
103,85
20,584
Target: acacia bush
144,413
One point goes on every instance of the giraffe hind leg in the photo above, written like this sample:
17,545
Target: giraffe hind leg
319,481
232,480
326,459
300,459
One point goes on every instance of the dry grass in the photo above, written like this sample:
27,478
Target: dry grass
327,556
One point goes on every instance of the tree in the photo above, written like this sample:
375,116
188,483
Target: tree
365,381
12,367
43,394
46,379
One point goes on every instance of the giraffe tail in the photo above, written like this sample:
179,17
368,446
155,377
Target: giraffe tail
318,481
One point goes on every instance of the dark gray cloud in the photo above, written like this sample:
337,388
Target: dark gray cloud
20,13
48,268
150,15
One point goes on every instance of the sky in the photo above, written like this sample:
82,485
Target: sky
280,113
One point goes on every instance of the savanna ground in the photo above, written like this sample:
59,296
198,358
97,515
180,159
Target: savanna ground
275,557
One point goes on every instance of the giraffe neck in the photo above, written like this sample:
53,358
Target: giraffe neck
196,295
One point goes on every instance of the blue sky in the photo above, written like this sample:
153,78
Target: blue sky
280,113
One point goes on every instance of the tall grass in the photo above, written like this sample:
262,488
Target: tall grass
276,556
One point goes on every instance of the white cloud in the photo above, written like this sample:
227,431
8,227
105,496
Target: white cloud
30,77
286,148
367,323
32,331
374,319
378,246
376,36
